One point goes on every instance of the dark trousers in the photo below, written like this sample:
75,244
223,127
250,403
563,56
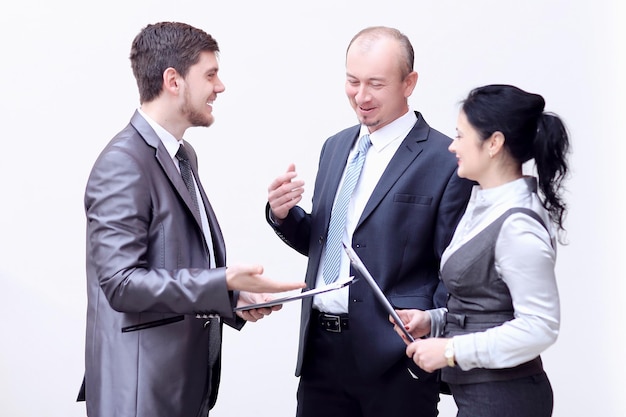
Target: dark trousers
523,397
332,386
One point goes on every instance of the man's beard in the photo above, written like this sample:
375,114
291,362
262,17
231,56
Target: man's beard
368,123
194,117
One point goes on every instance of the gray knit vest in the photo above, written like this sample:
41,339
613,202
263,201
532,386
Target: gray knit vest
478,299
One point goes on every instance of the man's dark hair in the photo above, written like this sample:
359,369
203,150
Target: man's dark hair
163,45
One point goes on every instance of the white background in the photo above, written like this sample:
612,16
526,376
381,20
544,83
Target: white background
67,88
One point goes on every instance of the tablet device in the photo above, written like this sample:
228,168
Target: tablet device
360,267
309,293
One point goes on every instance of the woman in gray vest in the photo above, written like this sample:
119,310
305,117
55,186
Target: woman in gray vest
503,304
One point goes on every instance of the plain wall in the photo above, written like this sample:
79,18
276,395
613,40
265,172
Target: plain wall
68,88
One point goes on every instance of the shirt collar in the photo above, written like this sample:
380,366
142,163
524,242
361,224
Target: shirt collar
399,128
169,141
505,192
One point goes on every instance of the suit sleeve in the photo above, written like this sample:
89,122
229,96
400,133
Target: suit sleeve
121,233
453,203
294,230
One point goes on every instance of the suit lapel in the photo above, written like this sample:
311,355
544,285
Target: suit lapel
219,249
339,151
410,148
164,159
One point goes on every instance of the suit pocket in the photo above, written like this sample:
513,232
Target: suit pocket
151,324
413,199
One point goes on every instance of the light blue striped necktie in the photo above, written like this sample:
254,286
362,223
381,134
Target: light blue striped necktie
332,258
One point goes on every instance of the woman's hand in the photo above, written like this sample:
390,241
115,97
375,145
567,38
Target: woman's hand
416,322
428,354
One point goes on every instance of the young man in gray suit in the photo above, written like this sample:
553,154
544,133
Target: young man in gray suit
157,282
399,218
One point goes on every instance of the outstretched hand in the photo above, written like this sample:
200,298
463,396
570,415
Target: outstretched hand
249,278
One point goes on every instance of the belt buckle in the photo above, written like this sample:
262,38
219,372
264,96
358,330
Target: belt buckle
333,319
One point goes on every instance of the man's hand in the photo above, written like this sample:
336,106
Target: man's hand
249,278
255,314
284,193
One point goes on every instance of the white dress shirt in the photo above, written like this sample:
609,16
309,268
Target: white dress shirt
525,256
385,143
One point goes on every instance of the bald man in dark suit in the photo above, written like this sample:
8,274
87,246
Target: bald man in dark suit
400,218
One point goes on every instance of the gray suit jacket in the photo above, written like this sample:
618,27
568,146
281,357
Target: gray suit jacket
147,276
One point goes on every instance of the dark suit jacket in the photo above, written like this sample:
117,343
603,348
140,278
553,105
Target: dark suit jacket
407,223
148,273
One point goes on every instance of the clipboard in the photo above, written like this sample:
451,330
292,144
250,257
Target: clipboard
299,296
360,267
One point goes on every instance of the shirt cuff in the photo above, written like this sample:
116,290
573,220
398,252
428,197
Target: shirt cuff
437,321
272,219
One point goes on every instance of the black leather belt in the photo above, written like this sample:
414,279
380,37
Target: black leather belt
335,323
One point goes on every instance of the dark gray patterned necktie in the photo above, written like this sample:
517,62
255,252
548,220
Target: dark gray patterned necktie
185,172
215,339
213,324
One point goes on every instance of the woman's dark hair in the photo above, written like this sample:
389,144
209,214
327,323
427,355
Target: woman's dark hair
529,132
